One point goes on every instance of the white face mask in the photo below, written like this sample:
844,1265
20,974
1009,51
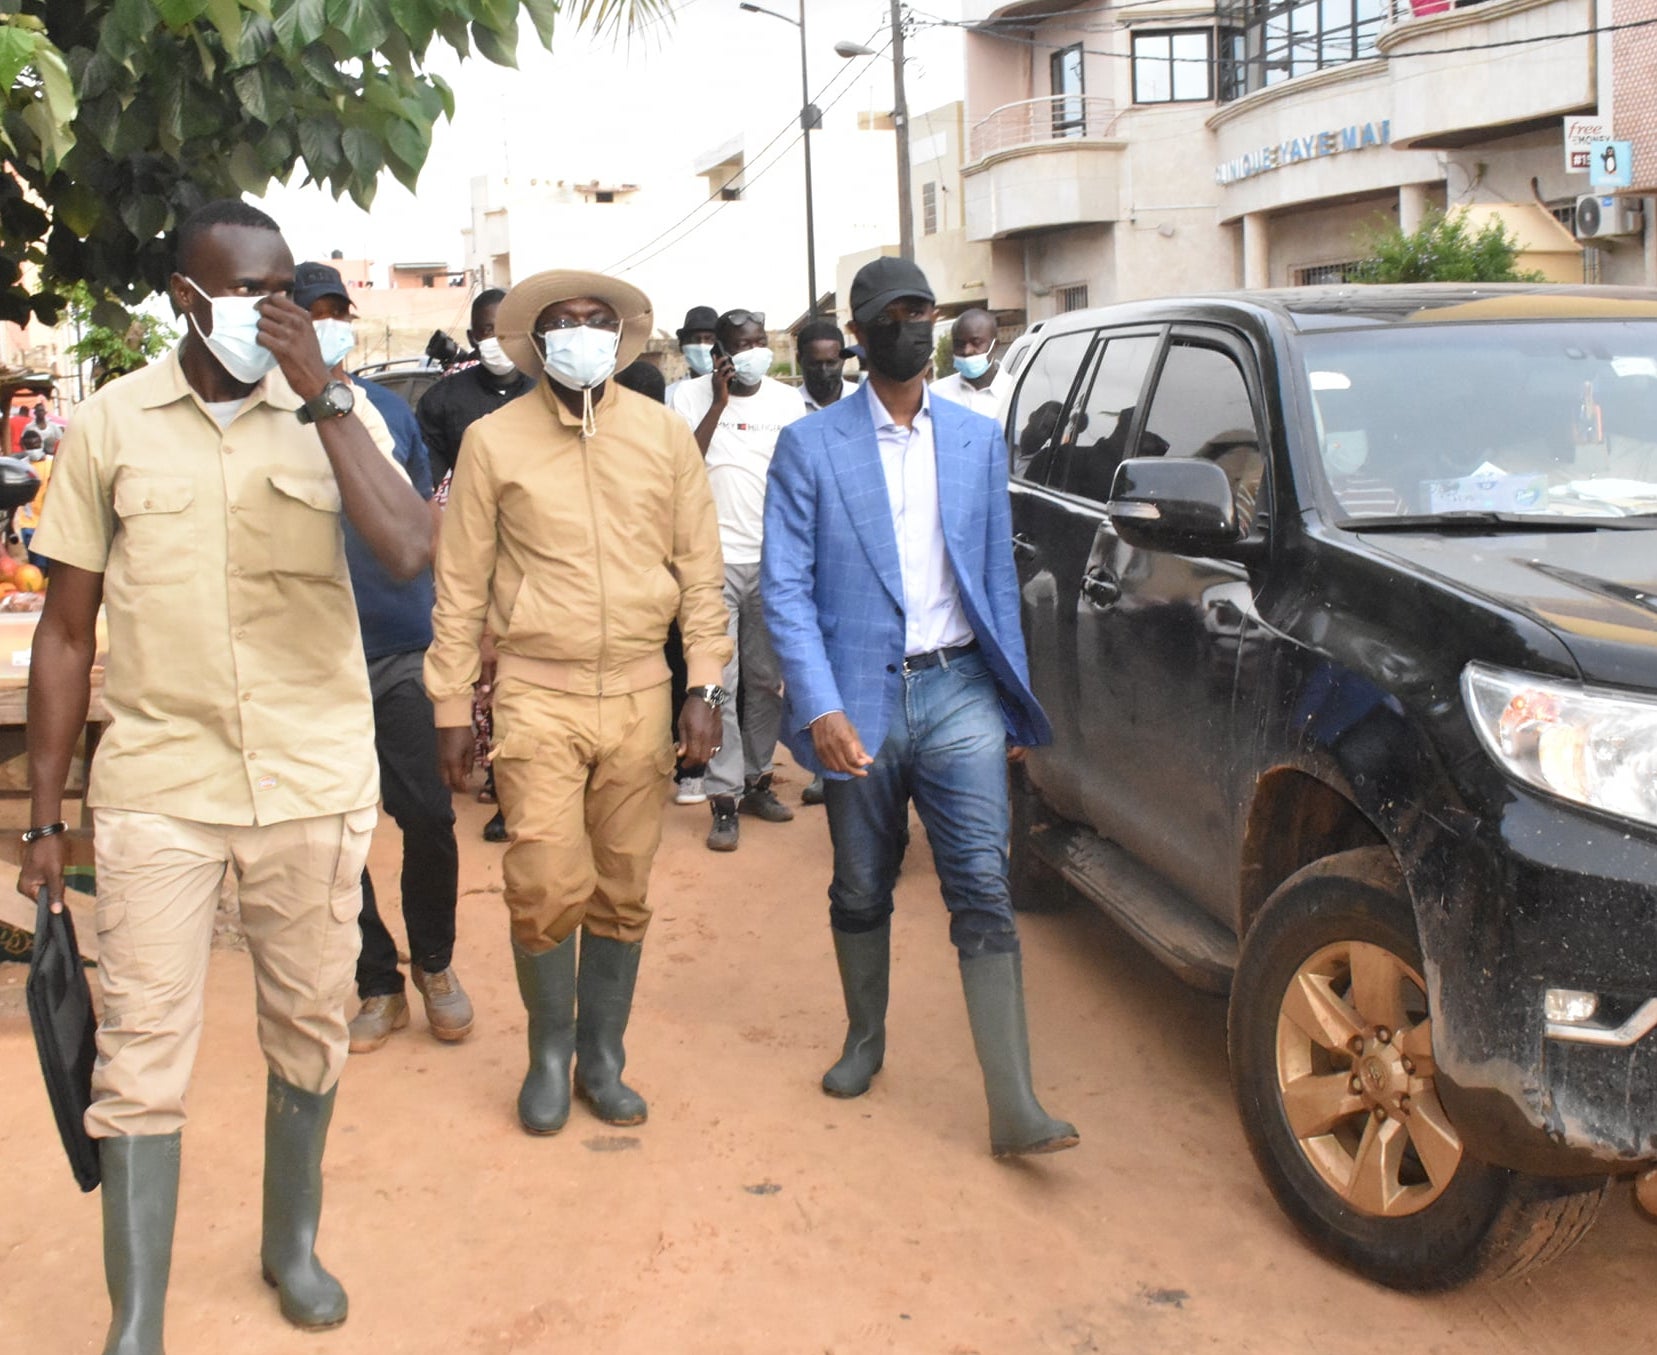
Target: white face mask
580,358
698,357
336,340
751,364
493,356
235,337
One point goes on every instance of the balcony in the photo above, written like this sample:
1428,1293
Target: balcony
1042,164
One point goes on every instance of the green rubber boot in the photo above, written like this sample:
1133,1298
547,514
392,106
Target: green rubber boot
865,960
296,1131
140,1190
994,987
604,1000
546,982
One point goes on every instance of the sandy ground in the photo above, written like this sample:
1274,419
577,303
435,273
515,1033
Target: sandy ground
752,1214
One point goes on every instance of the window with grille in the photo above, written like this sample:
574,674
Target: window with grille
1325,274
1071,298
929,209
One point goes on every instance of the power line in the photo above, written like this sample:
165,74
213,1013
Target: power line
716,200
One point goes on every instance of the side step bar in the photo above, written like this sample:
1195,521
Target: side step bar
1175,930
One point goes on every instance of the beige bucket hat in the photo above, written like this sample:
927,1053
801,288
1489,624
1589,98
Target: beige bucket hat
516,318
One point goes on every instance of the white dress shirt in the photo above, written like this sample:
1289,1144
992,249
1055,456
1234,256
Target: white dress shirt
987,401
932,613
846,388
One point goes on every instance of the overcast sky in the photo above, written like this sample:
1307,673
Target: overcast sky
628,112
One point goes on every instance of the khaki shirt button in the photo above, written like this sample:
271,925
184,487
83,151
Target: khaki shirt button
247,696
149,503
252,757
235,508
236,570
241,635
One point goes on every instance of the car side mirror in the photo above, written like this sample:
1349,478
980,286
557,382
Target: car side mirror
1175,504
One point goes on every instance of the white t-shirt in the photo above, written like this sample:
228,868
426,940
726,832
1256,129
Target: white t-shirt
987,401
739,456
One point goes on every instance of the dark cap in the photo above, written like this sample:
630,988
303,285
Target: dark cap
882,281
313,281
698,318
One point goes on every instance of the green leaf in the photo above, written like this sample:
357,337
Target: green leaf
493,45
177,13
247,171
363,153
102,117
544,14
47,305
407,142
319,143
78,207
415,19
17,50
299,23
444,93
107,314
22,220
250,87
145,216
362,22
226,16
126,28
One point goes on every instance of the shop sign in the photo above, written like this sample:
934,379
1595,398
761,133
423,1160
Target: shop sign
1580,135
1611,164
1359,136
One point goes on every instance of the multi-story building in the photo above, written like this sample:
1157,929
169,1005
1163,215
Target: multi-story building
1116,151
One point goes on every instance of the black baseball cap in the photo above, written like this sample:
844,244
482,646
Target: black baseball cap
882,281
698,318
313,281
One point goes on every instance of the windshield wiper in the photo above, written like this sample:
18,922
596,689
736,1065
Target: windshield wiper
1481,520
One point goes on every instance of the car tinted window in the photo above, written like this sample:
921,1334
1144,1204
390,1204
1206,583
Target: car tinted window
1040,403
1201,409
1096,432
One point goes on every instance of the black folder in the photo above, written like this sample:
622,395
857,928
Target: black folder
60,1010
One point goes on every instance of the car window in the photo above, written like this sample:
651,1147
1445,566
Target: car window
1201,409
1039,403
1096,431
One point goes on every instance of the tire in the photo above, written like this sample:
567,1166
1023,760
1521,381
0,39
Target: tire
1035,886
1355,1145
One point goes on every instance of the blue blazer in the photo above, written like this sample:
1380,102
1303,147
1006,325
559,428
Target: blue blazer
831,584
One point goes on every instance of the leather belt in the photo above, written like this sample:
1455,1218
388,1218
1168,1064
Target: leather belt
934,658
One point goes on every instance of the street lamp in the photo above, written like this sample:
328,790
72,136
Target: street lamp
809,118
900,125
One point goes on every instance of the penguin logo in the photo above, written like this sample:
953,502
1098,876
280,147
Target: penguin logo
1608,159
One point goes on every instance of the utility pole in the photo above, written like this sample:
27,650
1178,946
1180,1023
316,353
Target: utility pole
900,126
809,118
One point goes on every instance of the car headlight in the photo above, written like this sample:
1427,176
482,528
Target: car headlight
1593,745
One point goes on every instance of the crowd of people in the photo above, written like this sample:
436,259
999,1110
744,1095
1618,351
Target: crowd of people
370,601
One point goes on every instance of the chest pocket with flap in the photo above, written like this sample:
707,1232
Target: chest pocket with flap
157,531
305,528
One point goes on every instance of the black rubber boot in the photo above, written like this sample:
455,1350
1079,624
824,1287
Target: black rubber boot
296,1131
140,1192
865,960
604,1001
546,982
994,987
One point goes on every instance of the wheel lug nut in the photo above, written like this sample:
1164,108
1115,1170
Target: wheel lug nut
1404,1104
1409,1066
1357,1083
1383,1034
1356,1044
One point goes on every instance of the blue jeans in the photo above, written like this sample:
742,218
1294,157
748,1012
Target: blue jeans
947,750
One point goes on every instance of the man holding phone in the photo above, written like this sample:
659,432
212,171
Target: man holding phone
737,412
199,501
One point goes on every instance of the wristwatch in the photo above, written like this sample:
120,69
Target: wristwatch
336,400
715,695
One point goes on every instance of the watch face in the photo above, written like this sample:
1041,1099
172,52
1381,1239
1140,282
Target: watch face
340,397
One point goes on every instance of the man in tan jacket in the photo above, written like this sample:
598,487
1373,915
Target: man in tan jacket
579,525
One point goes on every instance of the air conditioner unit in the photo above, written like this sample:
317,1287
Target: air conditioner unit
1597,217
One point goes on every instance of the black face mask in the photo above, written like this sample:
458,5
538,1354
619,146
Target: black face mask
822,380
897,350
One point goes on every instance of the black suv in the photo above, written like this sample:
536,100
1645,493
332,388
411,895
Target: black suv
1344,607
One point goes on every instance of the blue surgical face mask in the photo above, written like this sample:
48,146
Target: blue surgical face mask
974,366
336,340
235,337
698,357
751,365
580,358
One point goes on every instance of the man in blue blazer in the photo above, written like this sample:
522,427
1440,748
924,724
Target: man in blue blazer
889,590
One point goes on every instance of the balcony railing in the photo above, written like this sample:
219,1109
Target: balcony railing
1403,10
1035,122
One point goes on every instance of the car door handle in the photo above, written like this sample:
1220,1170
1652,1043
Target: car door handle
1023,548
1102,590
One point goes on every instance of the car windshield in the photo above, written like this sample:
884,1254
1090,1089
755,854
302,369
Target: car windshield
1507,422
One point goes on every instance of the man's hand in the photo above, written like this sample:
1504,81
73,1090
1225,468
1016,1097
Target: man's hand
838,747
1015,753
43,869
488,659
723,370
455,753
700,729
286,330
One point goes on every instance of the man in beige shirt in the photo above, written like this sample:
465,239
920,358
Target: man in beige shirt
198,500
579,525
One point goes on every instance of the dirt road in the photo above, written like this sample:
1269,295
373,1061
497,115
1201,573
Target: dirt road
752,1214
